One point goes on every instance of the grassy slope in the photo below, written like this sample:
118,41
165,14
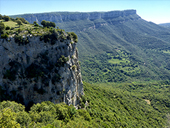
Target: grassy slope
14,25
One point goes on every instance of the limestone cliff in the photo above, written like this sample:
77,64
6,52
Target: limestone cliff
59,17
41,71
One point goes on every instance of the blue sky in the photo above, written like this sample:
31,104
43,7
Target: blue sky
157,11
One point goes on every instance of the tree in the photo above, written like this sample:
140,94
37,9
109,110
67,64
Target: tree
35,23
1,17
19,22
7,28
2,27
43,23
6,18
52,24
48,24
8,119
22,19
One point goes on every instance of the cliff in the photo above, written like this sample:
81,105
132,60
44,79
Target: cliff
41,70
59,17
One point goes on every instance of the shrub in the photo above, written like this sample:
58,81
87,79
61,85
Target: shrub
20,40
7,119
50,37
6,18
23,118
48,24
62,60
12,28
74,36
1,16
7,28
19,22
2,26
22,20
35,23
85,114
74,67
4,36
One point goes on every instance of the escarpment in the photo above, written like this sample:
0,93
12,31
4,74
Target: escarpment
41,68
60,17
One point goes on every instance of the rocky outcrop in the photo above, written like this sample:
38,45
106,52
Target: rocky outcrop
39,71
59,17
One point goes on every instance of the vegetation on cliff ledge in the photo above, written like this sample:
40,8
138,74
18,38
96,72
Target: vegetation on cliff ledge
20,29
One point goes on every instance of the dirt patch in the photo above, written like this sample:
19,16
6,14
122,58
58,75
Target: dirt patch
148,101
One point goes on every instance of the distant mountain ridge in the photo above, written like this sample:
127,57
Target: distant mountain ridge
60,17
165,25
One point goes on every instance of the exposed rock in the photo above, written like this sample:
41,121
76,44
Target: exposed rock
58,17
39,71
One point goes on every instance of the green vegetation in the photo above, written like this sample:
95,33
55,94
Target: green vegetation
19,22
48,24
21,30
61,61
124,50
74,36
142,42
2,26
115,66
6,18
108,105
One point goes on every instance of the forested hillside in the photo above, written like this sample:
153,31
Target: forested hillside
131,105
165,25
116,46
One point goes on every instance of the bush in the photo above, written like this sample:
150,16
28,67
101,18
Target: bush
12,28
48,24
73,35
22,20
23,118
1,17
7,28
4,36
20,40
35,23
62,60
19,22
7,119
74,67
2,26
6,18
85,114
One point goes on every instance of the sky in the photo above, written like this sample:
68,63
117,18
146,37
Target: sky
157,11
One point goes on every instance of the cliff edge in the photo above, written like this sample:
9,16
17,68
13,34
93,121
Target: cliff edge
59,17
38,68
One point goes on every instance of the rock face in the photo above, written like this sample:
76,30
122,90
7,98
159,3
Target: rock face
40,71
69,16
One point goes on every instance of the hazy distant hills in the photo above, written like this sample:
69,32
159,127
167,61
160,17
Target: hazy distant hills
165,25
115,46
